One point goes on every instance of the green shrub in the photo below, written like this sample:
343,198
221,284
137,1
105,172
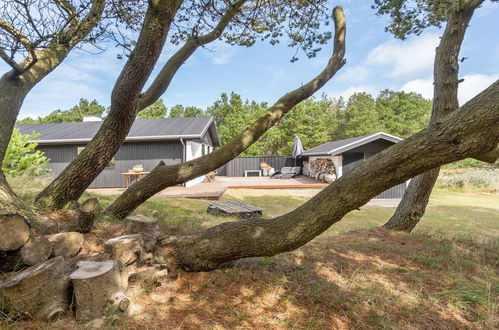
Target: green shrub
470,163
22,158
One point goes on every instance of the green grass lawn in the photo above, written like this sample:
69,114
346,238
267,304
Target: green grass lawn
449,213
442,276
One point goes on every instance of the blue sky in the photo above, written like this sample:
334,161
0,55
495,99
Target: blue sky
375,61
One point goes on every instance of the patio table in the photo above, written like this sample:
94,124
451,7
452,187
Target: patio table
128,175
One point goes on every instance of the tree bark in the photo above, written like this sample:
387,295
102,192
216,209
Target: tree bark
80,173
446,68
471,130
165,176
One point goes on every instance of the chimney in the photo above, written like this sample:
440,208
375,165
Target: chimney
91,118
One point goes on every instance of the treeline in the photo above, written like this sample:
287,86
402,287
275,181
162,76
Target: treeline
315,121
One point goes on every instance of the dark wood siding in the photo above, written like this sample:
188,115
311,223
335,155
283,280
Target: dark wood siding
237,166
146,153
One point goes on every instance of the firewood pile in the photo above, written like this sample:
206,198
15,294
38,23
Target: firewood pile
320,169
40,271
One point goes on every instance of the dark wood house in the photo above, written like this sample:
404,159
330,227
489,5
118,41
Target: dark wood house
171,140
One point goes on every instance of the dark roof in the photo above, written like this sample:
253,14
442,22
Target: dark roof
142,130
340,146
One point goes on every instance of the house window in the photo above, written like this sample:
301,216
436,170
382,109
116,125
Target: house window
111,163
203,150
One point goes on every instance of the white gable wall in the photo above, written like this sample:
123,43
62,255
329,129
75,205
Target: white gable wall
194,150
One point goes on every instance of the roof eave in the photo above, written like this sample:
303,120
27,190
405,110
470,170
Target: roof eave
128,139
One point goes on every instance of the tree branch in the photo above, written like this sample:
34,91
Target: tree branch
13,64
165,76
66,6
471,128
4,25
165,176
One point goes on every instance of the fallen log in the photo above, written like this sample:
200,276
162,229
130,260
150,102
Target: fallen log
125,249
36,250
66,245
14,232
39,292
147,227
98,286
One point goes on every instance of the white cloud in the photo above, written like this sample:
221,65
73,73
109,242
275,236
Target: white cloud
472,85
355,74
421,86
406,58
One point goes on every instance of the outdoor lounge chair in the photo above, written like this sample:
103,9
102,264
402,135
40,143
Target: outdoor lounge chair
287,173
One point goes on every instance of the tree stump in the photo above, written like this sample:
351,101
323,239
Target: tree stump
39,292
83,216
66,245
125,249
145,226
14,232
98,287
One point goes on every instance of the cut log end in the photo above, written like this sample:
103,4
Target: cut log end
91,269
14,232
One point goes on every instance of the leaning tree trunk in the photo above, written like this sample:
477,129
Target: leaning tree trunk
446,68
469,131
80,173
13,91
166,176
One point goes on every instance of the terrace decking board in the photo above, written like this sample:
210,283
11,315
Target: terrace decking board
235,208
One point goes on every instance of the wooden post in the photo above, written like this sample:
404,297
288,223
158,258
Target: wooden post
39,292
97,287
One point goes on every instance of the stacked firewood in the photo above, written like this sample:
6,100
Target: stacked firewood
320,169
